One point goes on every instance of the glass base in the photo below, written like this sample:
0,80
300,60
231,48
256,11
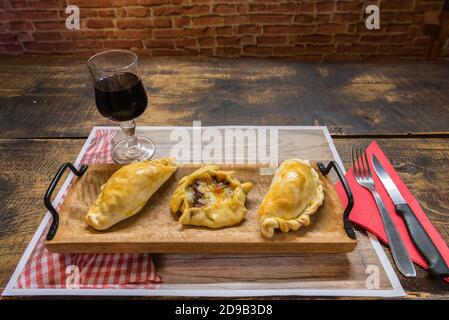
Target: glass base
144,150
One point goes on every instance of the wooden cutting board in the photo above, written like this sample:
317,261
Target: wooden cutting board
156,229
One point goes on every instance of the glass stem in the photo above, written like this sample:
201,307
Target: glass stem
129,130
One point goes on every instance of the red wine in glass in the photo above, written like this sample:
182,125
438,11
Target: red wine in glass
120,96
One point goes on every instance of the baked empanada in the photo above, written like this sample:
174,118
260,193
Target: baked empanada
127,191
295,193
210,197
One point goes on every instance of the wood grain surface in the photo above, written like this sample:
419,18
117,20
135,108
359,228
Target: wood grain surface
350,98
403,105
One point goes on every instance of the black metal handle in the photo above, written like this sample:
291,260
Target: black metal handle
325,170
51,188
422,241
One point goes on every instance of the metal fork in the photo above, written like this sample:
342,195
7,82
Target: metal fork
363,176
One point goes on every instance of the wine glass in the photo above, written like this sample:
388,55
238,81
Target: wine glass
120,96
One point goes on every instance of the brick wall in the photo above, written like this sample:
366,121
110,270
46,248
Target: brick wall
308,30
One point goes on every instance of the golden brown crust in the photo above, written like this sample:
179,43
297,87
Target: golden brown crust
127,191
295,193
210,197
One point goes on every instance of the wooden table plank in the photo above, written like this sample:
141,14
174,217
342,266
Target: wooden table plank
351,98
28,166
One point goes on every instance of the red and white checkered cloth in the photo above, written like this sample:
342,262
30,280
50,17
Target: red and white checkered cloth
121,270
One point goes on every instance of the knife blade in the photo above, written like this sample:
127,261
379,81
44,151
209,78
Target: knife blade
419,236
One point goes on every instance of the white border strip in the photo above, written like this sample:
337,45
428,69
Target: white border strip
10,290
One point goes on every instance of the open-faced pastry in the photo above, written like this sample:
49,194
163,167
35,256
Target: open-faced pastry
127,191
295,193
210,197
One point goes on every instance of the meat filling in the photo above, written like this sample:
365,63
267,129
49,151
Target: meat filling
205,192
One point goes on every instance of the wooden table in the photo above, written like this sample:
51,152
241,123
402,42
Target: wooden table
47,110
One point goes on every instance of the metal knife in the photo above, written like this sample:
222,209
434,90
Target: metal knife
419,236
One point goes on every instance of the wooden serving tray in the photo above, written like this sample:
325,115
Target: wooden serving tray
156,230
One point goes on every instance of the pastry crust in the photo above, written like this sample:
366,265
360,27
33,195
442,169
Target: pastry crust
127,191
210,197
295,193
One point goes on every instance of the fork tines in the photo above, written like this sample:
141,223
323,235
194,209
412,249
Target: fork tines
360,163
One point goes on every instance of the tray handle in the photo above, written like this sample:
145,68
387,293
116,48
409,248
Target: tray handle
47,198
325,170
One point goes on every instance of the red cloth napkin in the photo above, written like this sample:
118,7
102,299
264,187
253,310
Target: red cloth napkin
366,215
